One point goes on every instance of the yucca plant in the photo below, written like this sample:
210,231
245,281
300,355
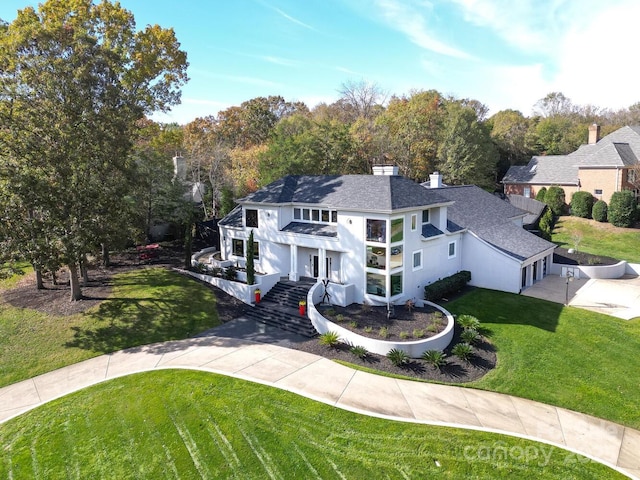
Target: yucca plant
463,351
330,339
436,358
383,332
359,352
398,357
468,322
470,336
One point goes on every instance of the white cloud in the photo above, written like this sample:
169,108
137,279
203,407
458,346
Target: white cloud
409,19
279,61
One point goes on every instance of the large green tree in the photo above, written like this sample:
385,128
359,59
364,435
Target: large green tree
75,78
466,153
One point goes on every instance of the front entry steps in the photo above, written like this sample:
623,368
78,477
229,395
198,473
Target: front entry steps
279,308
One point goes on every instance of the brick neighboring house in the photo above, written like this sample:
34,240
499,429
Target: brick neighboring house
601,167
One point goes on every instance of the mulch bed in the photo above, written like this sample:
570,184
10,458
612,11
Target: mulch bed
562,256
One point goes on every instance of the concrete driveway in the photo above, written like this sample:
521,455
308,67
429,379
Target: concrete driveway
618,297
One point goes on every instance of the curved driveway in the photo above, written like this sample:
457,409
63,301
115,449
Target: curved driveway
321,379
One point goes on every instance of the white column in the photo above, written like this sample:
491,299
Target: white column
322,261
293,270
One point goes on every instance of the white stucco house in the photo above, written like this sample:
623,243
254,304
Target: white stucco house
381,238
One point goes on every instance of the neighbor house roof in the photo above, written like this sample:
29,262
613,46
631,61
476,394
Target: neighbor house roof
384,193
491,219
233,218
533,207
616,150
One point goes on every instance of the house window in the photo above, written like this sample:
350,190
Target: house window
297,214
377,257
396,284
237,247
306,214
334,216
417,260
325,216
376,284
376,230
452,249
315,215
397,230
597,191
527,192
396,256
251,219
256,250
414,222
425,216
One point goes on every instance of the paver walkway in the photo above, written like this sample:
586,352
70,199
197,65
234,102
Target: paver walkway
321,379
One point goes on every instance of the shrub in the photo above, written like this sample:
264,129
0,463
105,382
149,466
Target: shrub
339,318
231,273
436,358
404,335
582,204
546,223
599,211
463,351
468,322
383,332
216,271
359,352
330,339
398,357
622,208
353,324
417,333
433,327
446,286
368,329
541,194
555,199
470,336
251,271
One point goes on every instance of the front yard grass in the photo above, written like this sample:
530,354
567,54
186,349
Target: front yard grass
563,356
598,238
147,305
189,424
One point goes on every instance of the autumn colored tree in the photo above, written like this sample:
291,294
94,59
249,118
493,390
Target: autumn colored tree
75,78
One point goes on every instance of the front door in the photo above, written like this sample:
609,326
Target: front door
315,266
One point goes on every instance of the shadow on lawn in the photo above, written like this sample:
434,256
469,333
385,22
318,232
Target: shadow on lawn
165,307
491,306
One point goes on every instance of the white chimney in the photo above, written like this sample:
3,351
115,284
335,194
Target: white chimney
385,170
435,180
179,168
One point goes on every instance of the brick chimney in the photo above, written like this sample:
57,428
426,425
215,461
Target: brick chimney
594,134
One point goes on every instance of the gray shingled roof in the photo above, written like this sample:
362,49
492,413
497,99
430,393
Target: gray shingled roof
318,229
233,218
429,231
491,219
533,207
384,193
618,149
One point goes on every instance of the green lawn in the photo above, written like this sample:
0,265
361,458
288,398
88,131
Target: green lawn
598,238
147,305
562,356
187,424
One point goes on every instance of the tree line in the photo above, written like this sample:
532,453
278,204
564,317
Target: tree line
83,170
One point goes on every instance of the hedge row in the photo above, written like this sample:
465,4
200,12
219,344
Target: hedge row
446,286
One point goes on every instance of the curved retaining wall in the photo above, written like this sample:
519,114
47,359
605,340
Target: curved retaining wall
599,271
414,349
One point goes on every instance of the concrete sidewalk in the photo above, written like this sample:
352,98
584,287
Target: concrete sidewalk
326,381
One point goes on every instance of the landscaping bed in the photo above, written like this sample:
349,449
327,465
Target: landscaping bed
563,257
373,322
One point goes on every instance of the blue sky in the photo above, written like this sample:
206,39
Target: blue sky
505,53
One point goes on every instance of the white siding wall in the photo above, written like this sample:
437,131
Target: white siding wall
489,268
